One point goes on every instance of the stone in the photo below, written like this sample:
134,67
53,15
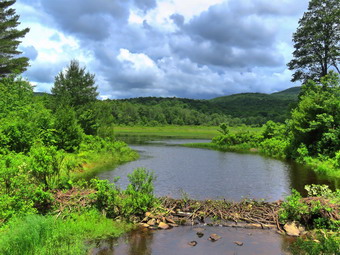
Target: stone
192,243
151,222
172,224
144,225
214,237
170,220
238,243
163,225
293,229
148,214
200,234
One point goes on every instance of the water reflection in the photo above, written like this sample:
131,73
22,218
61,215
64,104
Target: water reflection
175,241
208,174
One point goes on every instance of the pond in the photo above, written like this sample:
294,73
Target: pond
208,174
175,241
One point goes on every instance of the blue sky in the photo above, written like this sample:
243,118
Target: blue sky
182,48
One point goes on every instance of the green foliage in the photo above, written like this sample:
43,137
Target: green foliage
274,147
139,193
293,208
321,242
314,211
74,86
315,121
241,137
45,165
106,198
16,191
10,40
69,134
137,199
317,41
39,235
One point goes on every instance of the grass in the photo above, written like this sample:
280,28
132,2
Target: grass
99,162
193,132
46,235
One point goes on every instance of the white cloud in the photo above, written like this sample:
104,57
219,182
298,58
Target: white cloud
197,49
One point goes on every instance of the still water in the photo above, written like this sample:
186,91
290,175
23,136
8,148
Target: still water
208,174
175,242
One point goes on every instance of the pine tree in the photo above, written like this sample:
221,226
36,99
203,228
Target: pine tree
9,41
317,41
74,86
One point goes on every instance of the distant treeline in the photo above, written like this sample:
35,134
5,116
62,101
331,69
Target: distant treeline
251,109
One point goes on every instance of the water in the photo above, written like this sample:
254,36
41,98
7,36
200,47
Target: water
175,241
209,174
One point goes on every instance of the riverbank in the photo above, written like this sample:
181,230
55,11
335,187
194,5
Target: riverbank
188,132
325,167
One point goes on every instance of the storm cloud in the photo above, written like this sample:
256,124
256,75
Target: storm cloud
155,48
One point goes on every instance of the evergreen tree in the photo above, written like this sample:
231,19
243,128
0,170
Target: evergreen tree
9,41
317,41
74,86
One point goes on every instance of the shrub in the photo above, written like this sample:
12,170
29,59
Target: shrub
139,195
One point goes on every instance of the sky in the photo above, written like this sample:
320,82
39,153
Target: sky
170,48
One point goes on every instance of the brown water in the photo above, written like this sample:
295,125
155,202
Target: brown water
175,241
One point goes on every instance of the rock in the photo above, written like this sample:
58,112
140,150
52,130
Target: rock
238,243
151,222
200,234
163,225
293,229
170,220
214,237
149,214
192,243
144,225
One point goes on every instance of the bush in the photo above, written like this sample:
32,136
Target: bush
316,211
139,195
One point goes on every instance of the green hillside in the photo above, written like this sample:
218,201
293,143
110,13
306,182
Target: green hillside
250,108
274,106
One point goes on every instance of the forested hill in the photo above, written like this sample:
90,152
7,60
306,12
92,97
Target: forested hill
250,107
245,108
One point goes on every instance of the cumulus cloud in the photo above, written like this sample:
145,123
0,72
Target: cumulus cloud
164,48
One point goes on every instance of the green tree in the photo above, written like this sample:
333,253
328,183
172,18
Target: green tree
74,86
69,134
315,123
317,41
9,41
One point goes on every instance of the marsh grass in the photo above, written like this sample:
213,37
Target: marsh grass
198,132
46,235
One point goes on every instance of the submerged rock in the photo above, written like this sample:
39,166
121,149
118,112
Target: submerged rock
192,243
214,237
238,243
200,234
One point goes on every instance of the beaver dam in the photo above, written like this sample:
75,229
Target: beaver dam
244,214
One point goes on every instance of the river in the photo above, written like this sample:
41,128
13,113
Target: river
208,174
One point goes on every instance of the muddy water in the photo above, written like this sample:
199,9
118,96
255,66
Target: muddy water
208,174
175,241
